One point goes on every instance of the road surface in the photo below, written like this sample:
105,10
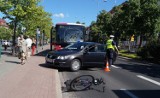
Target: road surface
127,79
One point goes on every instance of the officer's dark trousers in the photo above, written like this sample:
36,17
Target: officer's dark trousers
110,56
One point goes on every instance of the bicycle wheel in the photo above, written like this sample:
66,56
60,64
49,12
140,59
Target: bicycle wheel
81,82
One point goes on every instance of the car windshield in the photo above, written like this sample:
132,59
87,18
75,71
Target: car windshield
76,46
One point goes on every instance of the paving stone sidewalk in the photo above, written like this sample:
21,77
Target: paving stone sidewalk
31,80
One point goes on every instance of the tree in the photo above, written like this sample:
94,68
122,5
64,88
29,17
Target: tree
93,32
17,10
100,27
146,23
41,19
25,13
103,21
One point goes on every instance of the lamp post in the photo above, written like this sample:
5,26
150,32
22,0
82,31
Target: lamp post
42,39
37,38
51,34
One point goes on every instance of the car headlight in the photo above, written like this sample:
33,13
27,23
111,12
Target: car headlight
63,57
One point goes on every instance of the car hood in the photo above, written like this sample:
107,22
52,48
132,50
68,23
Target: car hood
63,52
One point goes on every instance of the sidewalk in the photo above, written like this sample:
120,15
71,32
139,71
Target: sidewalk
31,80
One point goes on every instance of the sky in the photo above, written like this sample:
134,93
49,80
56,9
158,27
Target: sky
84,11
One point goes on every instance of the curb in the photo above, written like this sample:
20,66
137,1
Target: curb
58,86
57,77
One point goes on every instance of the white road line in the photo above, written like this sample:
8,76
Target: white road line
150,80
115,66
148,64
124,58
129,93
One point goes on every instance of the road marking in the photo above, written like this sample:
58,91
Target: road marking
150,80
124,58
115,66
148,63
129,93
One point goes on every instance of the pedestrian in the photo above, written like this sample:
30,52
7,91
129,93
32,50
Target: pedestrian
33,45
111,47
22,49
16,45
5,45
29,44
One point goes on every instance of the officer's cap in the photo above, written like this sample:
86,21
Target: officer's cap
111,36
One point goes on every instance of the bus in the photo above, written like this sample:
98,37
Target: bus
67,33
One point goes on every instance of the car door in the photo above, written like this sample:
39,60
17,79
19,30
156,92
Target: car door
94,56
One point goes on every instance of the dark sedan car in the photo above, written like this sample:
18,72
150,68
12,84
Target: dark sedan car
77,55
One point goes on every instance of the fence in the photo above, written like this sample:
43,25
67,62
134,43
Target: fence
130,45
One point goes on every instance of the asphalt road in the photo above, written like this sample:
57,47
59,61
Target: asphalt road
127,79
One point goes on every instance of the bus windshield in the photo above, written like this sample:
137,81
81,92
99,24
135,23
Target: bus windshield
69,33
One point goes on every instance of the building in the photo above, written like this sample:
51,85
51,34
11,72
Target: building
3,23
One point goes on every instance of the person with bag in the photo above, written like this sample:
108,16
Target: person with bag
22,49
33,46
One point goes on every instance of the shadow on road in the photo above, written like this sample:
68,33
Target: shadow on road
13,62
43,53
137,93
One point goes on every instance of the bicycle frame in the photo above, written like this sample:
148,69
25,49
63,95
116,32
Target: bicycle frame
83,82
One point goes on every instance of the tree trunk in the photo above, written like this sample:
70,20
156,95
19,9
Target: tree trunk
141,39
14,37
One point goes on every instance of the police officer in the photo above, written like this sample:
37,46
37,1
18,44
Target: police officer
111,47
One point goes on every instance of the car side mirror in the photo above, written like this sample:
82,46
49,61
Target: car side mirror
86,50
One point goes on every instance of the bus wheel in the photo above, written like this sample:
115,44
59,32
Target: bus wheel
75,65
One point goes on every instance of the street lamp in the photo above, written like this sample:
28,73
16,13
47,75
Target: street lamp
37,35
42,39
51,35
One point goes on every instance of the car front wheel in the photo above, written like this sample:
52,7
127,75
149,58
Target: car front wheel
75,65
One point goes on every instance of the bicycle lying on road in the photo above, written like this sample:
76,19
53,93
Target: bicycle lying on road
84,82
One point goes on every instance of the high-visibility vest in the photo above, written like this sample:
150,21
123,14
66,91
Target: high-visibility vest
132,38
109,44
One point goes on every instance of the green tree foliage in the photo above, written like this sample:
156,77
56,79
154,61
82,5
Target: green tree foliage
94,32
147,21
17,10
100,28
5,33
138,17
103,21
27,14
38,18
116,23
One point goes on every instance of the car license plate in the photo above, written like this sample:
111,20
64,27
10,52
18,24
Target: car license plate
49,60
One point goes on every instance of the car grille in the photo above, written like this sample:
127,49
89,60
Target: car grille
51,56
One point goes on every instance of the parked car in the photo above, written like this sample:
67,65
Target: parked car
9,43
78,55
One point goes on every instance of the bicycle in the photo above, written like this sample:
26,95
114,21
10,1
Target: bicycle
83,82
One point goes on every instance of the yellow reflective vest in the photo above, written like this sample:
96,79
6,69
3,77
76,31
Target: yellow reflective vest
109,44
